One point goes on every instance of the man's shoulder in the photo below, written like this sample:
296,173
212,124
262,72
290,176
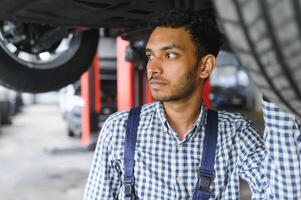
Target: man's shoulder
238,128
237,124
232,118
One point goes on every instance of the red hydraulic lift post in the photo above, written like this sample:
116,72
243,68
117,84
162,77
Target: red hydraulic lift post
125,78
148,94
85,93
206,93
90,92
97,84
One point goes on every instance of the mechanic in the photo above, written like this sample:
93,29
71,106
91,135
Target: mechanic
175,148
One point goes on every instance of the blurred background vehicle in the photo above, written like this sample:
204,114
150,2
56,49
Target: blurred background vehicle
10,104
71,103
231,86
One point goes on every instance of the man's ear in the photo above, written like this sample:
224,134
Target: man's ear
207,64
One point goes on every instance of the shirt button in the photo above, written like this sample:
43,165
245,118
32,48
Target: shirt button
179,146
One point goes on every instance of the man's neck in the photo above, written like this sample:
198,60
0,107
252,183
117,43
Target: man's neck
182,115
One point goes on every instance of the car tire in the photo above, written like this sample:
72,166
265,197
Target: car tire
6,113
18,103
19,77
71,133
266,36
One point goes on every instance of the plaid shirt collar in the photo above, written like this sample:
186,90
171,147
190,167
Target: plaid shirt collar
195,128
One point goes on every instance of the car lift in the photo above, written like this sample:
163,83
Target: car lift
132,90
90,92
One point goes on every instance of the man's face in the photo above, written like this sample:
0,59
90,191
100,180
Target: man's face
172,67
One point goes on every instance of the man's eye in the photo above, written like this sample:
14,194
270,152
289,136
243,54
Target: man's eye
149,57
170,55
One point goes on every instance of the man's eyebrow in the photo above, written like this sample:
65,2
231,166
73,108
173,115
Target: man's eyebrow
168,47
164,48
148,50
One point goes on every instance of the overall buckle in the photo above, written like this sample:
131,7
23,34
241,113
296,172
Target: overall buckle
129,187
205,179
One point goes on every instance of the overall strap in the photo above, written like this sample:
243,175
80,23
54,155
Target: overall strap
129,152
206,169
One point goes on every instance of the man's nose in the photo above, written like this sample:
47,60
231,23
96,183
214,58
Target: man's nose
154,67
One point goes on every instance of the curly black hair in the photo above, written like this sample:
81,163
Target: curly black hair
201,26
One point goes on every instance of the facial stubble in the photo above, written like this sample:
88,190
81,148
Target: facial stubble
183,90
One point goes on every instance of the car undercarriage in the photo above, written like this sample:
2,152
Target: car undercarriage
44,41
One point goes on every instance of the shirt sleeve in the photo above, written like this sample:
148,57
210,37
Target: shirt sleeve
251,161
283,145
272,166
104,178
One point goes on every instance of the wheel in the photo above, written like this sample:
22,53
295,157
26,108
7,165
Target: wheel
6,113
266,35
31,64
18,103
71,133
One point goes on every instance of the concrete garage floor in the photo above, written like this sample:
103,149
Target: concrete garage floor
29,171
32,168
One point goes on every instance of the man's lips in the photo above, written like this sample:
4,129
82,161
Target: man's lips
155,84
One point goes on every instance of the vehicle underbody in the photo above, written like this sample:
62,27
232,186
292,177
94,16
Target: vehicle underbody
265,35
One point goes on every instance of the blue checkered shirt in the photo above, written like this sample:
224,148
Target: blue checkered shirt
166,167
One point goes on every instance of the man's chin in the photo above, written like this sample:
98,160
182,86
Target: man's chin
160,98
164,98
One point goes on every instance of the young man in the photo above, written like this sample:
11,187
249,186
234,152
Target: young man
181,53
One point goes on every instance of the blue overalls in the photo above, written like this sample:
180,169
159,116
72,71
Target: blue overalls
206,169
